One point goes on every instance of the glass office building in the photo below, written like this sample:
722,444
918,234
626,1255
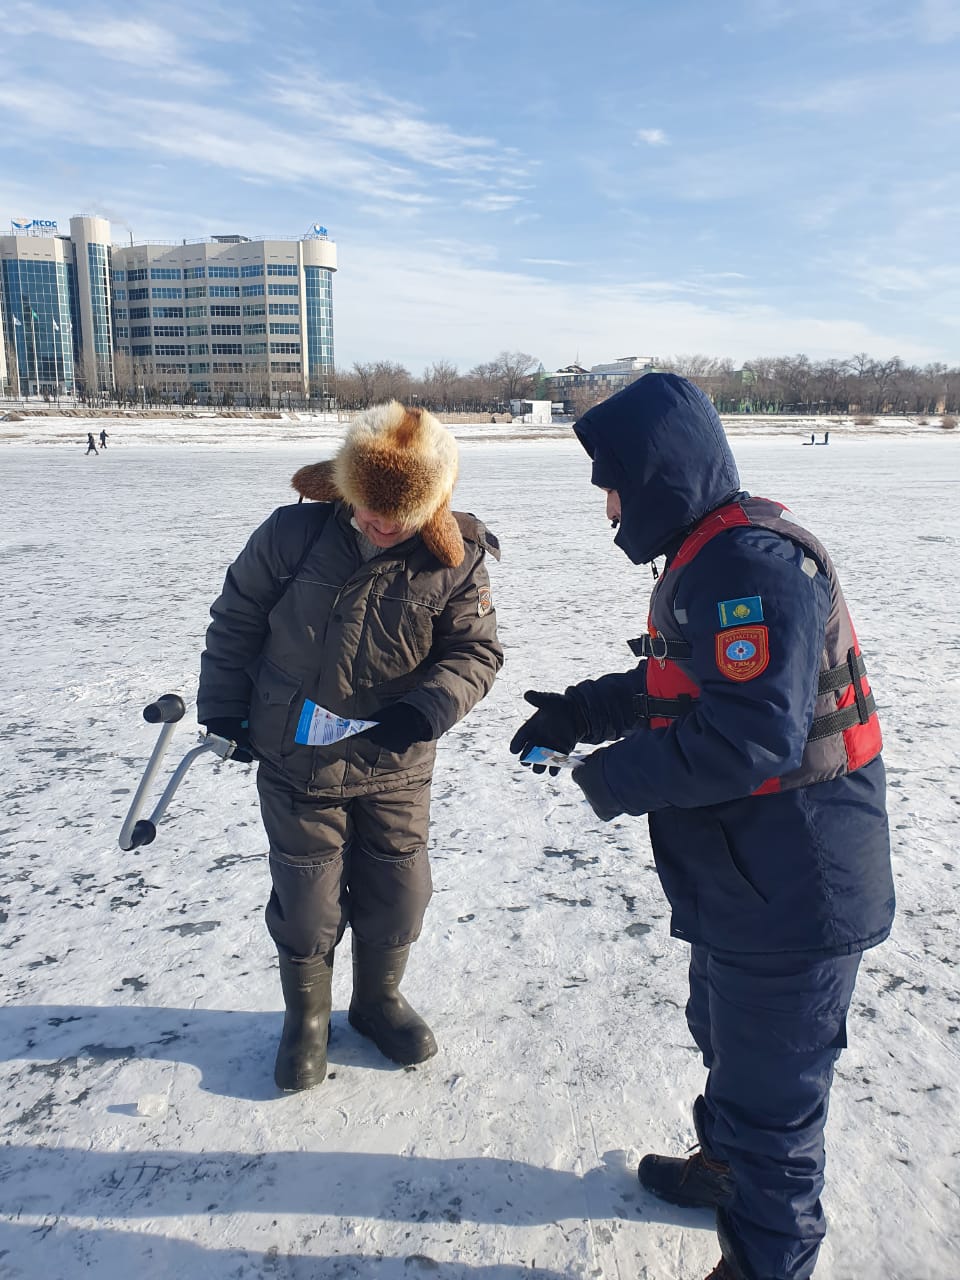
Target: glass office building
193,319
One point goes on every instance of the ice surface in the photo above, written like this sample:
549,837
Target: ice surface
142,1132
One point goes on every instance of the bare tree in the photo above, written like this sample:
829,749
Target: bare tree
513,371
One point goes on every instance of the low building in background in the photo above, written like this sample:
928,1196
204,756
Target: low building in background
532,412
575,387
226,318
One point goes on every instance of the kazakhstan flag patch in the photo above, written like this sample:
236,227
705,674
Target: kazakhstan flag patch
736,613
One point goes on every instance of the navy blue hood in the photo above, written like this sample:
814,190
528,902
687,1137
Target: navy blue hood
661,445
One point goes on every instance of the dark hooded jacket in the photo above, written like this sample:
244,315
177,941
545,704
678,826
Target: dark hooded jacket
302,616
804,870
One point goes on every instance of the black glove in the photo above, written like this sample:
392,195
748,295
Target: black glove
236,730
398,727
558,724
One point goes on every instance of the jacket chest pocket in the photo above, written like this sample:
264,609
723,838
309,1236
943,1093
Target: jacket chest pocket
397,637
274,708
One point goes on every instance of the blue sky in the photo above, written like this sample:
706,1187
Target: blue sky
576,180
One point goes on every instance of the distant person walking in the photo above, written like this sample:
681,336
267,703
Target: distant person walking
91,443
103,438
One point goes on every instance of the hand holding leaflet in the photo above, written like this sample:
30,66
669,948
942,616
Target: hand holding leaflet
556,760
318,727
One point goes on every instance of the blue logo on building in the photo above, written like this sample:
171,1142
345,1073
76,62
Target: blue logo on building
32,224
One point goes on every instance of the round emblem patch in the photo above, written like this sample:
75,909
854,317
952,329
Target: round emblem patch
743,653
741,650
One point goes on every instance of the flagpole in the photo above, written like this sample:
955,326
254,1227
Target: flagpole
18,324
36,366
56,365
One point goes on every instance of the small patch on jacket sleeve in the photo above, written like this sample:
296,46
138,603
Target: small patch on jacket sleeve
743,653
484,601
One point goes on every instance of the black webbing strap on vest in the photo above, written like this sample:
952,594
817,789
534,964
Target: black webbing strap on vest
644,706
647,646
850,672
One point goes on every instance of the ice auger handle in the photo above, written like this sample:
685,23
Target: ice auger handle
168,709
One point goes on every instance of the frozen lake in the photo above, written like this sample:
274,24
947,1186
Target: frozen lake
143,1134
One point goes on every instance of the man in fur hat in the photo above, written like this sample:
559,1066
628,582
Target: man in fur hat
371,601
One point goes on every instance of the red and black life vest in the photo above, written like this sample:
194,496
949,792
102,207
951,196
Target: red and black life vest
845,734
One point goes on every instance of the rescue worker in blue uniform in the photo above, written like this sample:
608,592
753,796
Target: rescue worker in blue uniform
749,736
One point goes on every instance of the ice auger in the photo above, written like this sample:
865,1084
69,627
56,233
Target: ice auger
167,711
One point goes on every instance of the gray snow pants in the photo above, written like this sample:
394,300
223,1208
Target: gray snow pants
357,860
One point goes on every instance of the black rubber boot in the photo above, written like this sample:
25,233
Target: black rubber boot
302,1054
701,1181
379,1011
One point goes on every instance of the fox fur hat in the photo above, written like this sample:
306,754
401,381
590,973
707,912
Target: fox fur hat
401,463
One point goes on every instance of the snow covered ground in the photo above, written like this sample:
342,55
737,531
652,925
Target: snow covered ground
205,427
143,1136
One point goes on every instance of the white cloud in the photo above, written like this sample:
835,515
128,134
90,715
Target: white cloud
433,305
652,137
148,46
491,203
226,139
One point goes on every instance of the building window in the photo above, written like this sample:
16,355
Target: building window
142,351
282,269
194,273
171,368
226,330
284,308
168,313
255,269
140,331
119,276
196,311
196,291
284,348
122,331
285,366
229,366
120,295
254,328
139,274
223,273
254,309
119,313
283,290
168,330
227,349
254,348
166,293
169,349
224,291
165,273
137,294
197,330
139,313
197,349
199,368
224,309
252,290
284,327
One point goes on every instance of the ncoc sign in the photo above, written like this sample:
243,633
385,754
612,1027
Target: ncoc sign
32,226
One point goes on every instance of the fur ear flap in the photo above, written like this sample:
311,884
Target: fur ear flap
441,535
316,482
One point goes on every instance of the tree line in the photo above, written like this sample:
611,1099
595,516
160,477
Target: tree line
794,384
797,384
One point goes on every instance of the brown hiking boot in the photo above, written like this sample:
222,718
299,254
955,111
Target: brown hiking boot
701,1181
694,1183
